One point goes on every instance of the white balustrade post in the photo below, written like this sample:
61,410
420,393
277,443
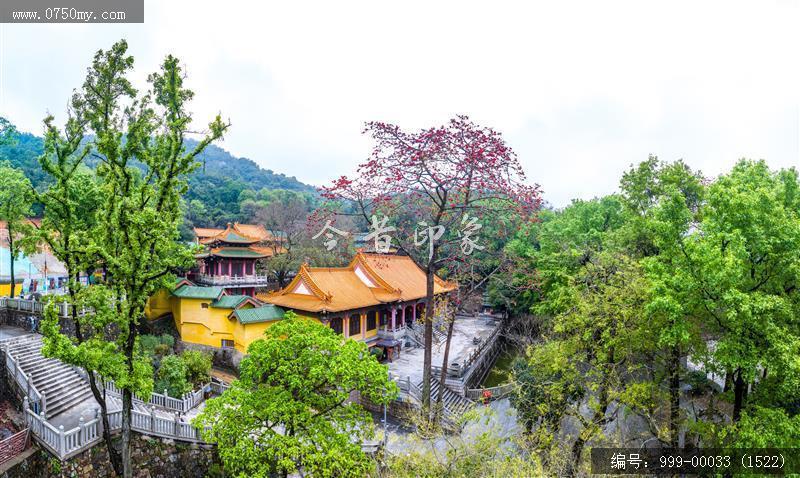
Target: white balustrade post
25,404
152,418
81,432
177,424
62,441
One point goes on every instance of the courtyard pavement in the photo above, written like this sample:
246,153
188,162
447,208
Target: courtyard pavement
466,328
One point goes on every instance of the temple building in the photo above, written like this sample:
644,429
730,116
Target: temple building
230,256
372,299
211,317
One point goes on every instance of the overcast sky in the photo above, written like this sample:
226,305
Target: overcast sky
579,89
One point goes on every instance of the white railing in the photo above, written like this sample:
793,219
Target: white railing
231,280
24,382
499,391
218,388
65,443
37,307
60,442
153,424
188,401
459,369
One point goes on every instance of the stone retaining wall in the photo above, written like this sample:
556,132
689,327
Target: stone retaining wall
152,458
225,358
22,319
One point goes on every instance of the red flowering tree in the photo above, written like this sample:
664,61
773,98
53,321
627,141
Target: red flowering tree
438,187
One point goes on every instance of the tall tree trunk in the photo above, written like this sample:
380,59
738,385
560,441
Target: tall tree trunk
113,454
598,419
127,405
428,342
674,395
445,361
127,401
11,255
728,380
739,393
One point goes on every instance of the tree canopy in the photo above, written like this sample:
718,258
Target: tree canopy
291,408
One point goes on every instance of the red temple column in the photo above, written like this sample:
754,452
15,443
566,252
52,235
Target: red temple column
394,314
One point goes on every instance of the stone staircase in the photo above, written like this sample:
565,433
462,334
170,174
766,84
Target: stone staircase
59,383
454,404
416,332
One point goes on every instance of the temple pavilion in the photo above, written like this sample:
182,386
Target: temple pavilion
230,255
372,299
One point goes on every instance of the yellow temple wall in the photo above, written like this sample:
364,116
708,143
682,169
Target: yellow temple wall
205,326
160,304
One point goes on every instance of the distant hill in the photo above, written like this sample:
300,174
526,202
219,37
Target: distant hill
218,183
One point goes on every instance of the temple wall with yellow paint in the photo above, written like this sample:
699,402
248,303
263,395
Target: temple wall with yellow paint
204,325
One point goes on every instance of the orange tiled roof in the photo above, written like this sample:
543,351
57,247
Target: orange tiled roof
403,274
369,279
242,233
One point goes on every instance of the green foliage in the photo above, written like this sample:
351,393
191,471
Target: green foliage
172,376
151,344
7,132
486,454
553,249
16,196
138,142
763,428
630,285
225,189
289,409
198,366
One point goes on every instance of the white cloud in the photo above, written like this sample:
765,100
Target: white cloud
580,89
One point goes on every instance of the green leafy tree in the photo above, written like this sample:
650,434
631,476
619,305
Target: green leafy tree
665,200
172,376
548,253
290,410
747,272
588,362
15,206
138,143
198,366
7,132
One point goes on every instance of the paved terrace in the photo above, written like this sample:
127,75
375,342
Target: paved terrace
465,330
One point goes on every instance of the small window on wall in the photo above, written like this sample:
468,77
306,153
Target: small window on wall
204,305
355,324
227,344
371,320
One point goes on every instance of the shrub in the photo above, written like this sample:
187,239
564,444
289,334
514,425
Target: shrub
172,376
198,366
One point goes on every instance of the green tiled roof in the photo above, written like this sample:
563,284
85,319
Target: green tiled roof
232,236
229,301
239,252
265,313
197,292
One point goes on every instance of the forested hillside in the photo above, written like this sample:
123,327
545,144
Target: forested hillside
222,185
